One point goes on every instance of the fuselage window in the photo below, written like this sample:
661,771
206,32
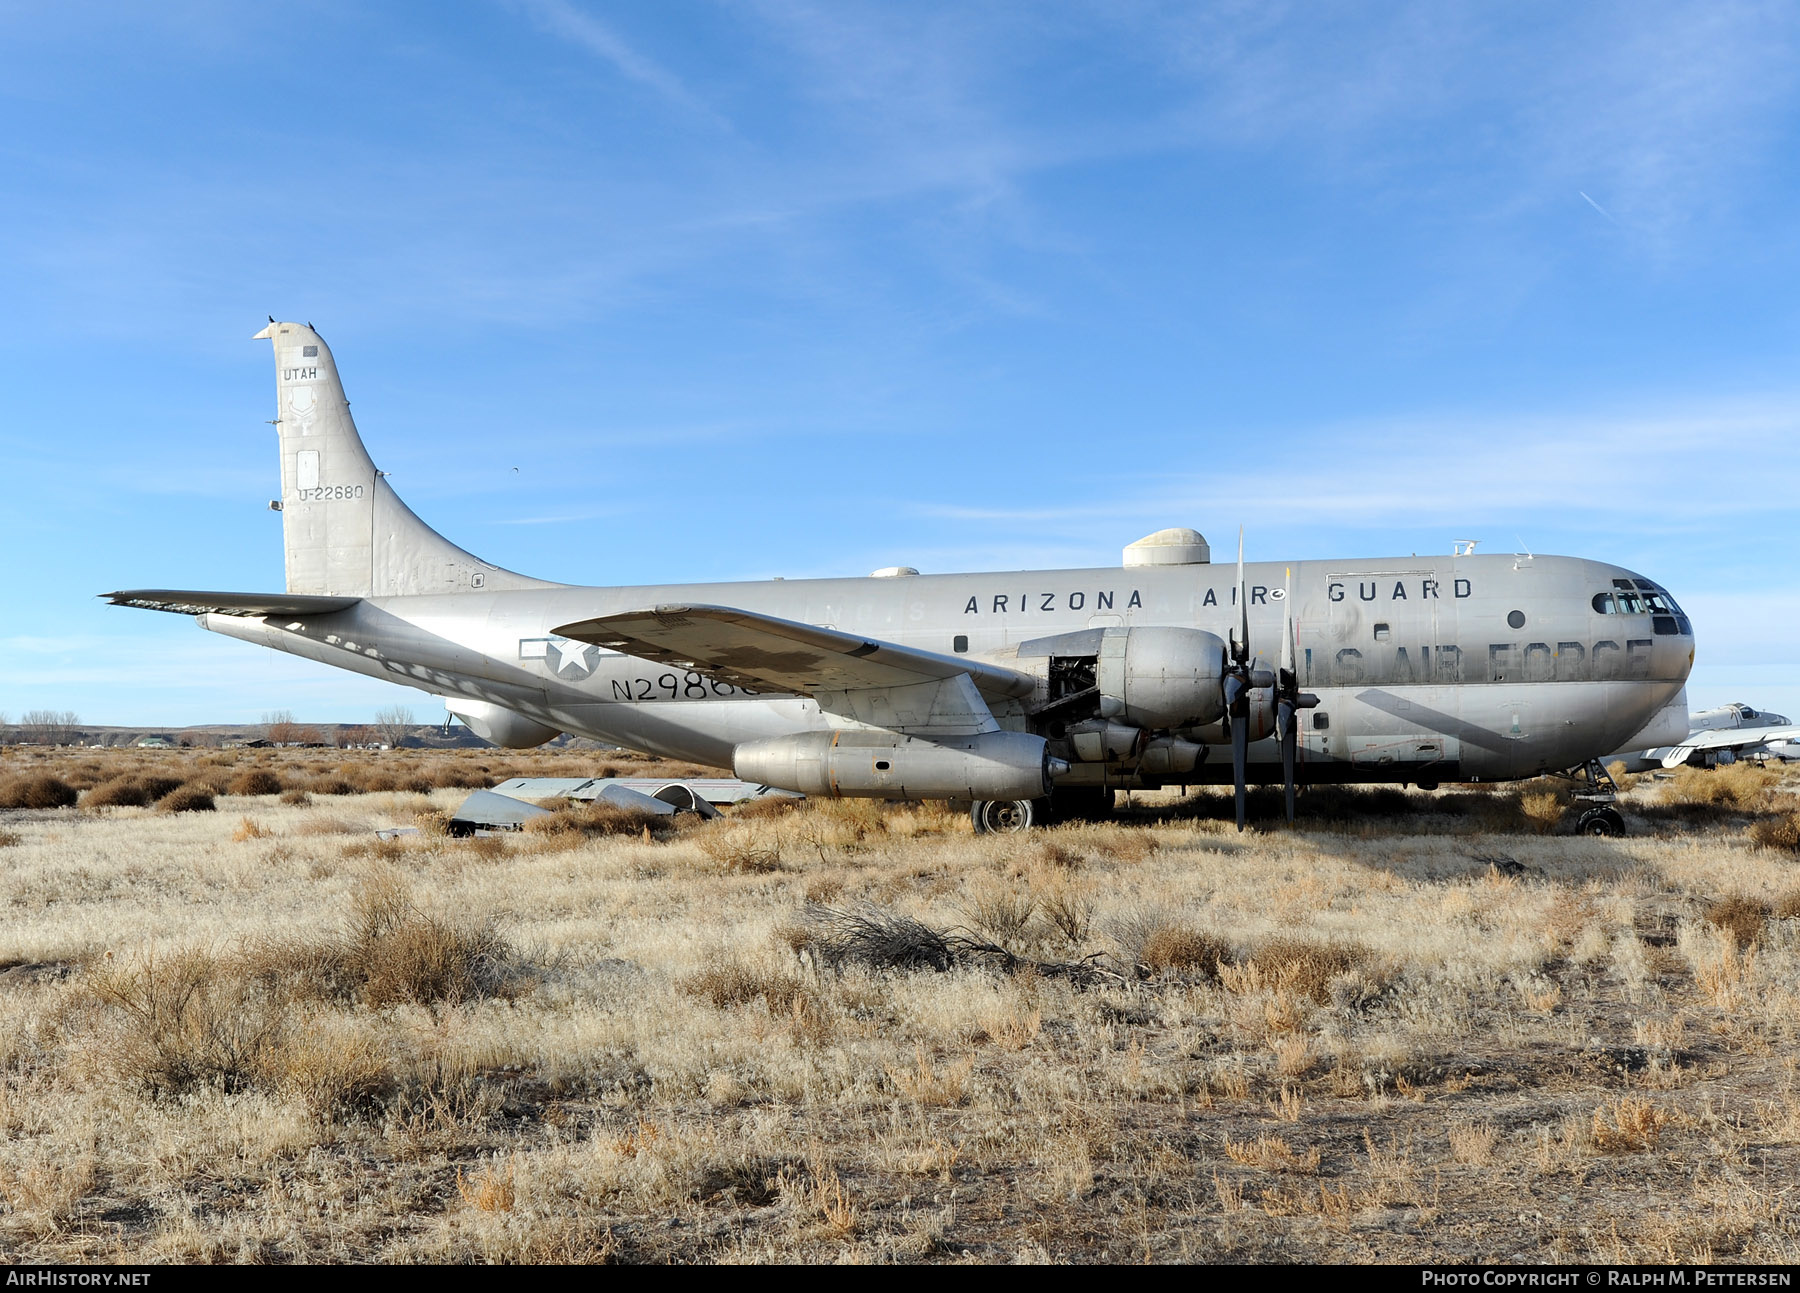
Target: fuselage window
959,643
1603,603
1381,633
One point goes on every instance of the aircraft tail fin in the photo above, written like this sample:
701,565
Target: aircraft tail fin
347,533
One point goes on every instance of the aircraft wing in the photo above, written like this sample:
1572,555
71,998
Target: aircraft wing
764,653
1727,738
182,602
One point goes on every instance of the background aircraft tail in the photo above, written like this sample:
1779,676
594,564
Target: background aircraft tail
347,533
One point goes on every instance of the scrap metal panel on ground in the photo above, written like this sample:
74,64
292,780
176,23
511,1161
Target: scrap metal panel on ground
692,794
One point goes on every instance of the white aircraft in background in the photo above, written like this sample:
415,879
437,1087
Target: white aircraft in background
1714,736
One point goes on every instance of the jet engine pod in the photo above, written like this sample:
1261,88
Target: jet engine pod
1161,677
877,764
498,724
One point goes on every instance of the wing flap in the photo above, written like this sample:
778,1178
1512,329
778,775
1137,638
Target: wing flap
765,653
185,602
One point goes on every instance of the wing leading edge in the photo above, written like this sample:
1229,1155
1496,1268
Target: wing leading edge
765,653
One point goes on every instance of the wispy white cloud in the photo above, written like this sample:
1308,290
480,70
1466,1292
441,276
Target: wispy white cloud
1667,110
567,20
1602,210
1539,479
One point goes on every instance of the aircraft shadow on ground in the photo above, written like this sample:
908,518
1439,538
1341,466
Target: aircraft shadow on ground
1438,837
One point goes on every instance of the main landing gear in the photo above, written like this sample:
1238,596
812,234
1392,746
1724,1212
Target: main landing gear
1073,804
1006,816
1596,793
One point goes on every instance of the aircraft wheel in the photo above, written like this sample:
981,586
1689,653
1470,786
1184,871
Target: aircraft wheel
1004,816
1600,821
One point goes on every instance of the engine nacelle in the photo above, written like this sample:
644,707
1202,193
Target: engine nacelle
871,764
1170,756
498,724
1260,720
1161,677
1098,741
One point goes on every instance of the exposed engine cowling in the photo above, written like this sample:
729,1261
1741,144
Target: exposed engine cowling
1169,756
499,725
857,763
1161,677
1260,721
1098,741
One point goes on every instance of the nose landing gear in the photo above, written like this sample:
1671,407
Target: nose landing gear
1603,820
1596,792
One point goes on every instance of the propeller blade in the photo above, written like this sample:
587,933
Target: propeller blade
1233,687
1287,625
1289,737
1243,602
1240,753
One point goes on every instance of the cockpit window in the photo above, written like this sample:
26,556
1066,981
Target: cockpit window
1641,597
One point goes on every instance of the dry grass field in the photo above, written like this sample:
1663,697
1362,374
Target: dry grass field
237,1026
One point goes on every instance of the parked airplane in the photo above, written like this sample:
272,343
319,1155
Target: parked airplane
1710,737
1017,690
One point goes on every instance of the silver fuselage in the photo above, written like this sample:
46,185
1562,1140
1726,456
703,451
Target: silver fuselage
1427,668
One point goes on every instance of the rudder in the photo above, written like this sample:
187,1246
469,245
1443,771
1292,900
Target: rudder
345,530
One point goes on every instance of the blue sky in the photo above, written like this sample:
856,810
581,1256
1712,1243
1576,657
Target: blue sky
767,287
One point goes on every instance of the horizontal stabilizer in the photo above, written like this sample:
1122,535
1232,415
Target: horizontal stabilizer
183,602
764,653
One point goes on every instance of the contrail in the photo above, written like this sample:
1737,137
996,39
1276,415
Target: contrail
1602,210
